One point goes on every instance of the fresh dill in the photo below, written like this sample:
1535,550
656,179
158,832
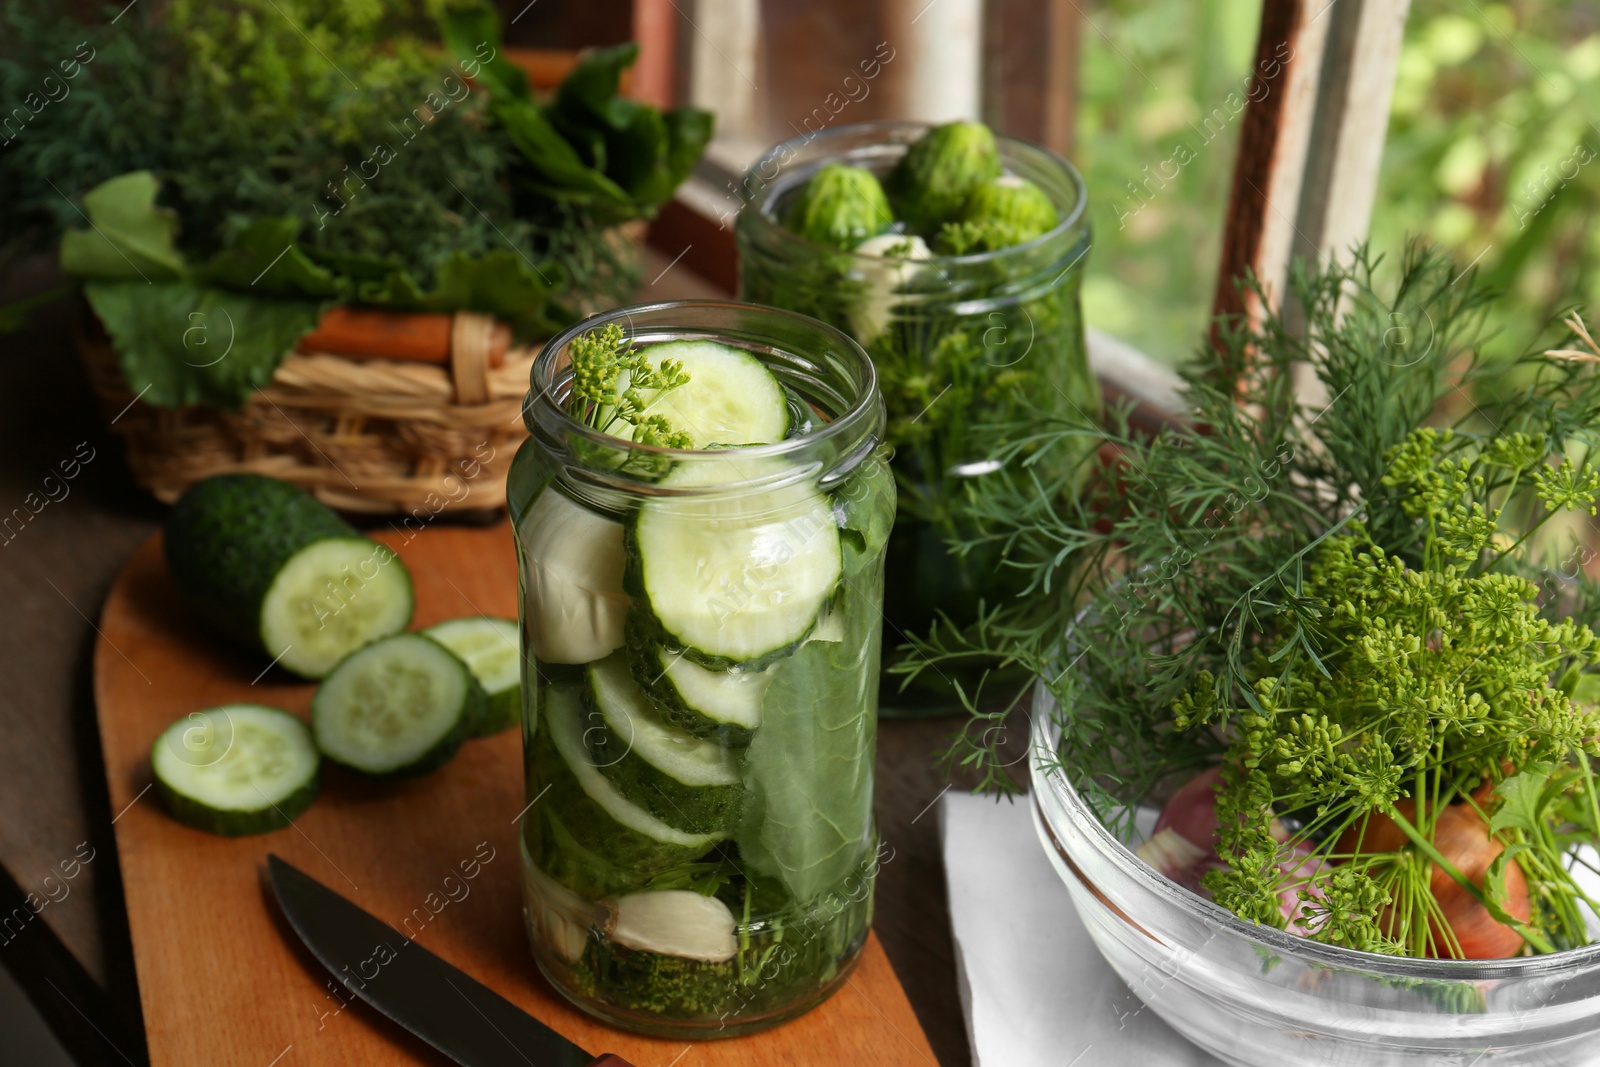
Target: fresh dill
614,385
1361,606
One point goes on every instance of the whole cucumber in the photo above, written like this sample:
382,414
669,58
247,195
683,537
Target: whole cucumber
275,569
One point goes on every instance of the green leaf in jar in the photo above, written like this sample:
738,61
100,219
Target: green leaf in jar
808,821
864,508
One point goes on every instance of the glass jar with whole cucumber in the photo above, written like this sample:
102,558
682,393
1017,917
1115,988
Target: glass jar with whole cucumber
954,257
701,514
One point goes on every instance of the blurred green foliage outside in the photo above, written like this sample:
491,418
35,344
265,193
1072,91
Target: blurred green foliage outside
1493,151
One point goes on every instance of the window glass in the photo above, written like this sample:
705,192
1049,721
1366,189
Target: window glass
1494,153
1162,87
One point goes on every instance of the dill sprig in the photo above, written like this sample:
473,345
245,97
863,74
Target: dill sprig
1361,606
615,385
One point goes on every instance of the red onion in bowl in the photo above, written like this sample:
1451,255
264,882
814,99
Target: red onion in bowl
1183,845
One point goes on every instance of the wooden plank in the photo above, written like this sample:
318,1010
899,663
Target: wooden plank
1258,235
222,981
696,242
724,65
655,27
1064,37
1031,70
1352,125
937,73
1346,147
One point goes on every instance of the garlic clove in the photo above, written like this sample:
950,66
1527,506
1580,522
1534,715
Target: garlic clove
884,278
575,605
673,922
562,917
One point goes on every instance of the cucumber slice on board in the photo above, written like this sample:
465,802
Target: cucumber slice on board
574,562
492,650
687,782
721,704
237,769
398,708
731,398
734,577
266,563
600,819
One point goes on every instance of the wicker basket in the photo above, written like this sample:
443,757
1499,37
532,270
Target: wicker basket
369,436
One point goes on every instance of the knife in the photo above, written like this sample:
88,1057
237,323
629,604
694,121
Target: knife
456,1014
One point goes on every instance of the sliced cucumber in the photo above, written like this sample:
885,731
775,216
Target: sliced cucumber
687,782
557,853
398,708
734,577
236,769
573,561
593,810
492,650
731,398
331,598
266,563
723,704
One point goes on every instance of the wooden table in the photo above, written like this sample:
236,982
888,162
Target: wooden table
74,957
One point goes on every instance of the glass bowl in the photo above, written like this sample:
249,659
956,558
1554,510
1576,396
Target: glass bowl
1260,997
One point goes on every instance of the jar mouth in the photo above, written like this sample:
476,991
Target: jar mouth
840,434
1057,798
877,138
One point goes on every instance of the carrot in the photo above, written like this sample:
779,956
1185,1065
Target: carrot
1462,837
366,333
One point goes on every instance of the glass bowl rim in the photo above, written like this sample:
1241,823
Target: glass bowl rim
541,396
1070,221
1045,733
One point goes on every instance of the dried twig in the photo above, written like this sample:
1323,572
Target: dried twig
1572,355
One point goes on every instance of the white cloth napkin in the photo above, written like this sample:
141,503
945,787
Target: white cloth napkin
1037,992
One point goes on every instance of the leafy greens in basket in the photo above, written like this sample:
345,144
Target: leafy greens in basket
226,172
1366,612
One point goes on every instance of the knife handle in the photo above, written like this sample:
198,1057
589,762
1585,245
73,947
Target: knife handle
608,1060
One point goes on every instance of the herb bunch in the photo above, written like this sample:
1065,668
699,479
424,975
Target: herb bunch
248,164
1352,606
242,117
614,385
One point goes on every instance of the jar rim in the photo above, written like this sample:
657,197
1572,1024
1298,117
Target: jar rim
1048,779
760,190
542,404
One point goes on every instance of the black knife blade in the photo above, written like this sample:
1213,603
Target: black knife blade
456,1014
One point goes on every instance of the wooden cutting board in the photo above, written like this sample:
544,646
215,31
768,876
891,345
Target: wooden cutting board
221,978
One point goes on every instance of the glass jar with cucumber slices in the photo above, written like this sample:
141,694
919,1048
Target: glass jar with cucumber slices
954,257
701,512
